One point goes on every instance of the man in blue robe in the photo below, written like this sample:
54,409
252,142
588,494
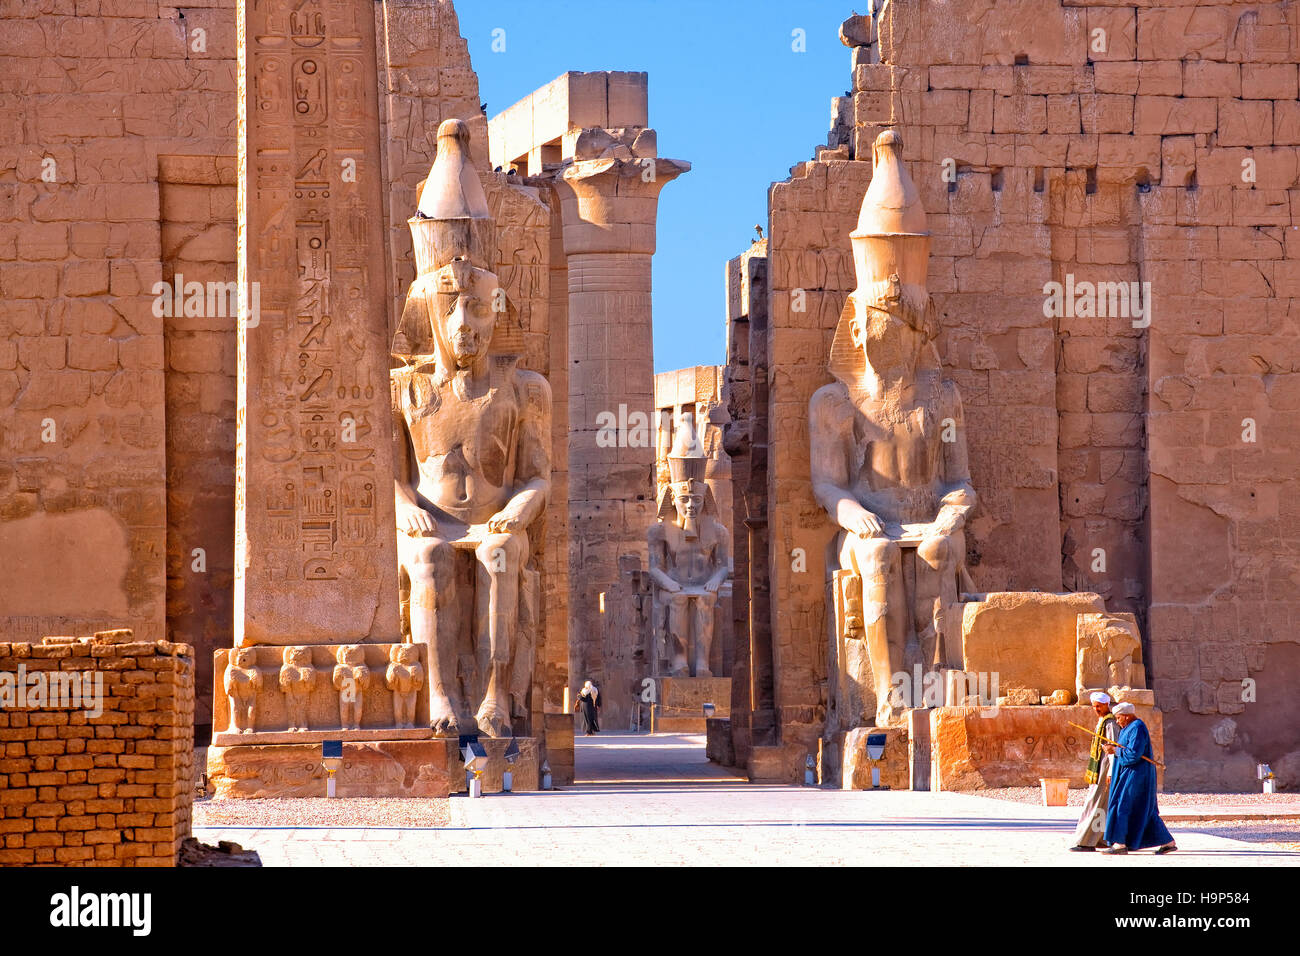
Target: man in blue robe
1132,818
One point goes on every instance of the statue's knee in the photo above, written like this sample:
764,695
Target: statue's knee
934,551
430,561
943,552
502,553
876,554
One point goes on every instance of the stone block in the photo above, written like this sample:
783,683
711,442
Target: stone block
403,768
686,696
975,749
856,765
718,745
1026,638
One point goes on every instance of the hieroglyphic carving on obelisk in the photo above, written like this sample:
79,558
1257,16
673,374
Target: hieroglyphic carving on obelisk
315,554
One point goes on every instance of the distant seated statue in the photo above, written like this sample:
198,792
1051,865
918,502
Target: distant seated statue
889,459
689,559
472,457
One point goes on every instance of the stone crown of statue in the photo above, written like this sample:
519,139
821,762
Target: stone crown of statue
892,206
891,253
687,459
453,219
454,239
453,190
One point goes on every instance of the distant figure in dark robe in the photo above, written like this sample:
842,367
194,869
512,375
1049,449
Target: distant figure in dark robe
589,703
1132,817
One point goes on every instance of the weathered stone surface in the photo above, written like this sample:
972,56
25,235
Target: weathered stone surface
895,764
1027,639
718,746
1108,653
686,696
394,768
321,705
977,748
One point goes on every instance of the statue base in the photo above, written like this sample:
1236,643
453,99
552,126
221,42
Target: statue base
856,765
429,767
977,748
681,700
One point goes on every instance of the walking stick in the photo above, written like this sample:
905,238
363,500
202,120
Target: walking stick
1119,745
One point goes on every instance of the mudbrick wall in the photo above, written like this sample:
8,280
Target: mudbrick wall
1142,455
102,774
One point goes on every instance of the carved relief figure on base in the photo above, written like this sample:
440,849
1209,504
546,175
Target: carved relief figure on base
689,558
405,676
473,456
889,458
297,678
243,682
351,680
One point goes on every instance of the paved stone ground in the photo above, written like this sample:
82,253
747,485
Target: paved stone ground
643,800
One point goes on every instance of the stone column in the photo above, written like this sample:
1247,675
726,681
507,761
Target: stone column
315,553
608,209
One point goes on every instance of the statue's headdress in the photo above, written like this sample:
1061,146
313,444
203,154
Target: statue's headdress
455,244
891,252
687,463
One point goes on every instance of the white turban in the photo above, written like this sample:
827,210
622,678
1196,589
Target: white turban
1099,697
1124,708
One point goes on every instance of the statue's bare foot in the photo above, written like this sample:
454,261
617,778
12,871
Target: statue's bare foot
443,718
703,672
492,721
681,668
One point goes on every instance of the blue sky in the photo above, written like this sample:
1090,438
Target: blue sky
727,93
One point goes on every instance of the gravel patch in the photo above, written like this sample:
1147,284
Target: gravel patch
321,812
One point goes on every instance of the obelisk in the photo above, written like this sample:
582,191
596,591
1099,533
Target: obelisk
315,553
